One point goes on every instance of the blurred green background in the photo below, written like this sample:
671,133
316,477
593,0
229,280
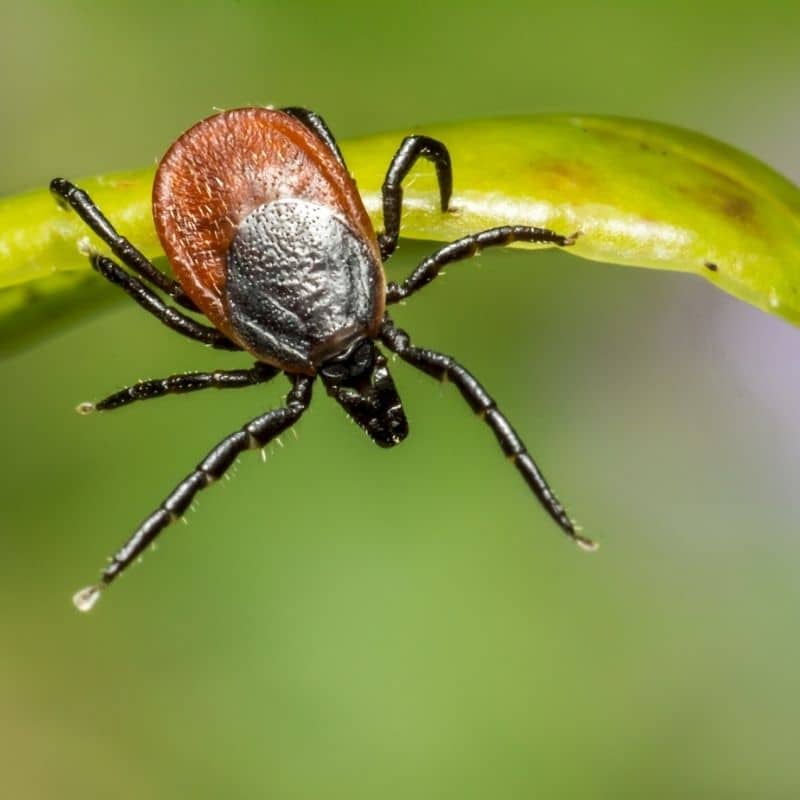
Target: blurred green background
350,622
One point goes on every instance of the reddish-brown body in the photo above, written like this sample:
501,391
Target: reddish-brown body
223,168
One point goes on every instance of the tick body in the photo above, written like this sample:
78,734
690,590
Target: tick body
268,236
270,242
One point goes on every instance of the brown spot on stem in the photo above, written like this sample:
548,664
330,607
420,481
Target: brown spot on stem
563,176
723,197
738,207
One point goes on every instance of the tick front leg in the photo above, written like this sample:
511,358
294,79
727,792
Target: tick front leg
256,434
470,246
182,384
443,368
411,150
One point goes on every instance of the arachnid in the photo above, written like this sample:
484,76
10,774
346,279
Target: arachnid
270,241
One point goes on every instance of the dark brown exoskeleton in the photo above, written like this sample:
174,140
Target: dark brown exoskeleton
270,241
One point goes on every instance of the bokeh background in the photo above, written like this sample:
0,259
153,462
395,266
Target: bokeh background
344,622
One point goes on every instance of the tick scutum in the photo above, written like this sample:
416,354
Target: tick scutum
237,164
301,284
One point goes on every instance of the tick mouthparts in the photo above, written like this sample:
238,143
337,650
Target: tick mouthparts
86,599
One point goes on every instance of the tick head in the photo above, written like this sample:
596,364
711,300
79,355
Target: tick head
359,380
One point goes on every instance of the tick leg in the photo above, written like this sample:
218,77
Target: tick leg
466,248
411,149
181,384
445,368
257,433
151,302
317,125
80,201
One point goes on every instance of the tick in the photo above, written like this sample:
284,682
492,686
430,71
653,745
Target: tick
270,242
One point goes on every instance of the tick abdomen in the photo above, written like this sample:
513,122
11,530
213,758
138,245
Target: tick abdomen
301,285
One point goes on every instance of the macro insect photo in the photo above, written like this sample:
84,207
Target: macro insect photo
422,233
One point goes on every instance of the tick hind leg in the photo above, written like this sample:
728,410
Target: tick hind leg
411,150
467,247
69,194
256,434
443,368
182,384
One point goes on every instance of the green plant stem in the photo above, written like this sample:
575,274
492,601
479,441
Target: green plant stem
639,193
